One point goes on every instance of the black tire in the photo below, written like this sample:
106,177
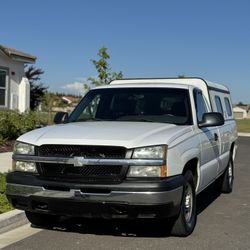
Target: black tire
41,220
228,178
186,221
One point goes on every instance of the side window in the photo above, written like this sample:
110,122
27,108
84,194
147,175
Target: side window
218,104
228,106
90,111
200,104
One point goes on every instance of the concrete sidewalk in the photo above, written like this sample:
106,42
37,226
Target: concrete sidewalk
5,162
244,134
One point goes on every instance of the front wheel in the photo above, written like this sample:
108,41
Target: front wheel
186,221
41,220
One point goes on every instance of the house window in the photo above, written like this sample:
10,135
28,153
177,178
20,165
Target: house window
3,87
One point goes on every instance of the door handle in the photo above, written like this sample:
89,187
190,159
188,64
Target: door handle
216,137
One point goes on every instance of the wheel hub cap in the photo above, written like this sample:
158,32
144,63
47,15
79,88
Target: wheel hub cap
230,174
188,199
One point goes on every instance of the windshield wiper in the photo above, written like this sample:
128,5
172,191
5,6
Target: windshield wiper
143,120
93,119
89,119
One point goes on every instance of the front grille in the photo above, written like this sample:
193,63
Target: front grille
98,173
111,152
86,173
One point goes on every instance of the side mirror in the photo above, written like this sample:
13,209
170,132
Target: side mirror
61,117
212,119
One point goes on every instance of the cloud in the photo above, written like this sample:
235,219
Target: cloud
75,86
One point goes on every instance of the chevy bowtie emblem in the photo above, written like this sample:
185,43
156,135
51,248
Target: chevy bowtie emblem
79,161
78,193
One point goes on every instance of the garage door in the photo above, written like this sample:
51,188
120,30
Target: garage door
238,115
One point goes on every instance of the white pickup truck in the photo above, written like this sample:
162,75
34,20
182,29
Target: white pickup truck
137,148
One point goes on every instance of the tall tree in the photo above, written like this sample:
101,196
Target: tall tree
105,76
37,89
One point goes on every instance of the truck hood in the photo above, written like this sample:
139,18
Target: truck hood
126,134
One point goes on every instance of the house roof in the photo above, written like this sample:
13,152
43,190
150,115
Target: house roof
70,99
18,55
66,99
239,109
245,107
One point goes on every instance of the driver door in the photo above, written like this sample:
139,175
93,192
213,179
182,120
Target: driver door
209,143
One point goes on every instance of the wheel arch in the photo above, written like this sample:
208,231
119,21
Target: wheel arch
233,149
193,166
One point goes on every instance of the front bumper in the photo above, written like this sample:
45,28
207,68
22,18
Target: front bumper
129,199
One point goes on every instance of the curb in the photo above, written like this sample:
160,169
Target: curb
11,220
244,134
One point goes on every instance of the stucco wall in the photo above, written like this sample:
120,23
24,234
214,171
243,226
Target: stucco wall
239,113
16,73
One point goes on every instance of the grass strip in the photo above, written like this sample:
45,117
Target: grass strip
4,204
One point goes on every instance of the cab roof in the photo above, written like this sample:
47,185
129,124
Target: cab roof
185,83
192,81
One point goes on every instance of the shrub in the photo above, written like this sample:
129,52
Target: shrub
14,124
2,140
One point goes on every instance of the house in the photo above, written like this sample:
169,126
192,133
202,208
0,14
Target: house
71,100
66,103
241,112
14,86
66,100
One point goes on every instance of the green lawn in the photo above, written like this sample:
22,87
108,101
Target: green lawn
4,204
243,125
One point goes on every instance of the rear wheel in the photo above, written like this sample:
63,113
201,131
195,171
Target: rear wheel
228,178
186,221
41,220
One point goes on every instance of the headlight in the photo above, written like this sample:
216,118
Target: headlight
154,152
24,149
24,166
147,171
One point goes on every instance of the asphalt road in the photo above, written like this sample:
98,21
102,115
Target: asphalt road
223,223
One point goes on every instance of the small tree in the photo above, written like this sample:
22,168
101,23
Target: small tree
105,76
48,101
241,104
37,89
181,76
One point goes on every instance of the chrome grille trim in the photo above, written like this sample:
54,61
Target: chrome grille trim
81,161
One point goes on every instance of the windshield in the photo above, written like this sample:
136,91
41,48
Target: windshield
164,105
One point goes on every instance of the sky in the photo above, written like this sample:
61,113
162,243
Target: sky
145,38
